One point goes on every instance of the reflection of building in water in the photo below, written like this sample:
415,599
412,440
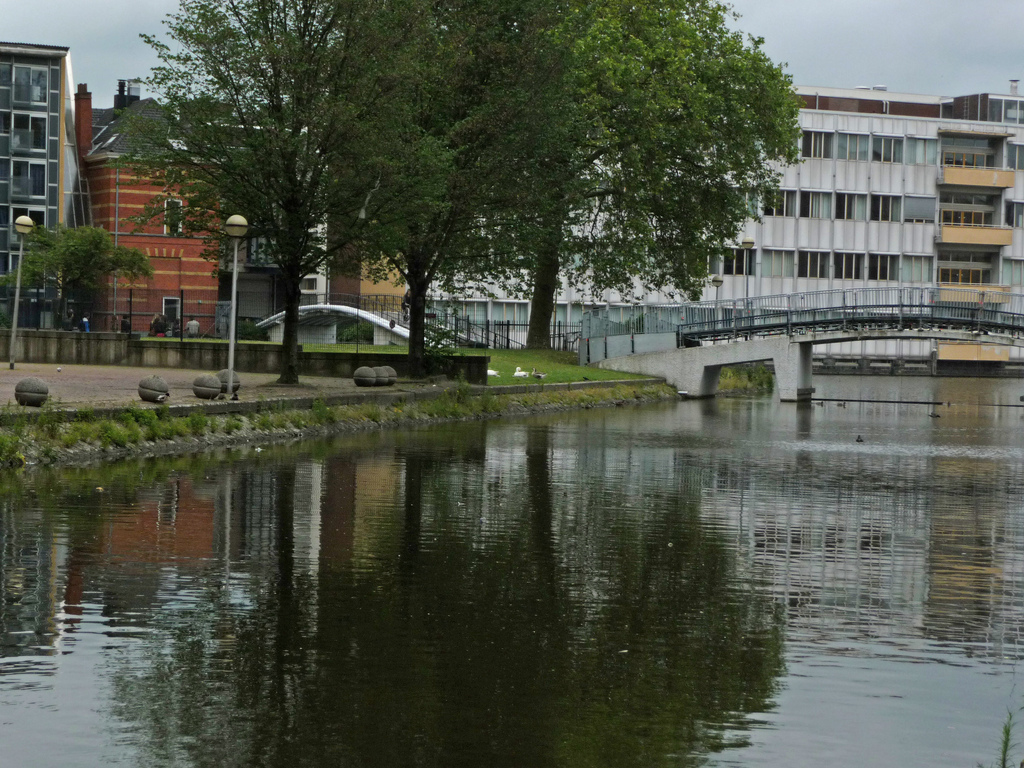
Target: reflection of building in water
902,549
30,604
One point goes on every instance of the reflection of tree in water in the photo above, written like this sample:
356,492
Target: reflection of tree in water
529,613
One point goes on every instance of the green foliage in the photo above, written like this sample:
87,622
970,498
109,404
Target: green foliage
85,414
246,330
350,333
198,422
749,378
11,454
79,259
323,413
232,424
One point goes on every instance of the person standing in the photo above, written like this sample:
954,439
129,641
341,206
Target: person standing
192,328
126,324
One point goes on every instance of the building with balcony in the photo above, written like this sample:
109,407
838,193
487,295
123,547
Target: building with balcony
39,171
893,189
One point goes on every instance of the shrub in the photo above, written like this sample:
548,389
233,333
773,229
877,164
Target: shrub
323,413
352,333
10,450
232,424
246,330
198,422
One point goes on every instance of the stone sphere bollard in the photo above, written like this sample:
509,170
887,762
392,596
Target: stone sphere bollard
207,387
392,375
223,376
153,389
31,391
381,376
365,376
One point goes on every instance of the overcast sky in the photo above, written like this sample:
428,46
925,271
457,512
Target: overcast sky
943,47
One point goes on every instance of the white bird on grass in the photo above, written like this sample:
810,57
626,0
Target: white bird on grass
520,373
492,372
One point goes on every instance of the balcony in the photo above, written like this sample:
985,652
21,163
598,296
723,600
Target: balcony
24,143
993,178
23,188
955,234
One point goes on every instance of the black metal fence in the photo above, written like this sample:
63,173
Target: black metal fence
333,322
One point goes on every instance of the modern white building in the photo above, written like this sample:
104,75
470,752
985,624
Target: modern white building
894,189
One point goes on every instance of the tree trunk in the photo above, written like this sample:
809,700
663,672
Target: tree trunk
290,341
417,279
542,302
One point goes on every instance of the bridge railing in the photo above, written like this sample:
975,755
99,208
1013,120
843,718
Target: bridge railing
983,307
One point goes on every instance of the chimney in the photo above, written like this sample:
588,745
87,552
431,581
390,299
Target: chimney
120,99
83,122
1013,87
134,91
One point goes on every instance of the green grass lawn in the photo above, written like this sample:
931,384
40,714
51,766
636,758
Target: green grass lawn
559,367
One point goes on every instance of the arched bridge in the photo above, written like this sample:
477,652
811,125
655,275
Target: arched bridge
688,344
328,314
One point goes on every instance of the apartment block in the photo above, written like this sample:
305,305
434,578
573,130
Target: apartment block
39,170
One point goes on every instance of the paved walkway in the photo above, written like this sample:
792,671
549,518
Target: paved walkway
103,386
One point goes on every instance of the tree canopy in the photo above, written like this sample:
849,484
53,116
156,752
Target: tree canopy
79,259
610,142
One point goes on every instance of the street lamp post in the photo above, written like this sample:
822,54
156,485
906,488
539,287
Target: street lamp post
235,227
717,280
747,245
24,226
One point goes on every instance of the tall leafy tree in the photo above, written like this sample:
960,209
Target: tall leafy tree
670,125
277,110
478,105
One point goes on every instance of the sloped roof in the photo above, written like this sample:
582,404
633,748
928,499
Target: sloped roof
108,136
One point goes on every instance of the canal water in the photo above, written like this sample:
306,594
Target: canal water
737,582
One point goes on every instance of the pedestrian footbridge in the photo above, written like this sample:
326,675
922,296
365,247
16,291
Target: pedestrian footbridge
688,344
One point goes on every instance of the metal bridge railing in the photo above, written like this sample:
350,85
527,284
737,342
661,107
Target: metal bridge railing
982,307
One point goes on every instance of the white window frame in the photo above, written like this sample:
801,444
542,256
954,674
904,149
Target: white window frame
853,146
890,208
851,206
848,266
917,269
817,145
776,263
30,164
31,119
31,83
815,205
884,149
785,201
173,230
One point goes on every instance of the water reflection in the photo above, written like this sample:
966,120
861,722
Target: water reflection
501,595
654,586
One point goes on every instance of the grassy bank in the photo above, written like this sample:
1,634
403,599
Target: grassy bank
50,439
559,367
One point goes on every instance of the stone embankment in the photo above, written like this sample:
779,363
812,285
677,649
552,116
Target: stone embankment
97,428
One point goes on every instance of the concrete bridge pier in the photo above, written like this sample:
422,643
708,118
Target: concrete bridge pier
793,372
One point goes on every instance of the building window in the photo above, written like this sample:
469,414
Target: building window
741,263
782,204
1015,157
776,264
5,170
5,74
29,179
886,149
967,218
885,208
1015,214
1013,272
30,85
962,276
172,216
37,215
919,209
922,151
5,123
29,132
882,266
812,264
851,207
917,269
847,266
816,205
853,146
5,214
817,144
